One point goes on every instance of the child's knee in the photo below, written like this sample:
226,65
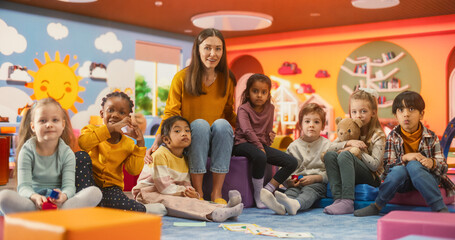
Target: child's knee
415,166
398,174
330,156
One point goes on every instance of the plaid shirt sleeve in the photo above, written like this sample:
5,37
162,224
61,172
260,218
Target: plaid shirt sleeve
435,152
390,157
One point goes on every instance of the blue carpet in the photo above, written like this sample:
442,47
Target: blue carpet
321,225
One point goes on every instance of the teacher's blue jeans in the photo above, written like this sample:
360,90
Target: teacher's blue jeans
215,141
407,178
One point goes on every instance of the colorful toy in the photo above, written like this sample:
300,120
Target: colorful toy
49,205
296,177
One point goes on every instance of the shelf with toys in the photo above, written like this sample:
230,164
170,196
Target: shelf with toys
377,80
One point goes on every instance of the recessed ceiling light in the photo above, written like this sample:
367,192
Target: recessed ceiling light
374,4
232,20
315,14
188,31
158,3
78,1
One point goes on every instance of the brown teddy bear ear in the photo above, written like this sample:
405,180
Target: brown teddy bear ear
358,122
337,120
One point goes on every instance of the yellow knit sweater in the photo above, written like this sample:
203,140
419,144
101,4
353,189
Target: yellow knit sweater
210,106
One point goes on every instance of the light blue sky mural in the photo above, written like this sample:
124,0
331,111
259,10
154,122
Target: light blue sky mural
95,56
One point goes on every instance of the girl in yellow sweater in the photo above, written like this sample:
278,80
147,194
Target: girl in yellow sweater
110,149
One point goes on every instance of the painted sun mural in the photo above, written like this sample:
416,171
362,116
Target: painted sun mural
56,79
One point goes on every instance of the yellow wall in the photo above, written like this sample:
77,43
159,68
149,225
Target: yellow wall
428,40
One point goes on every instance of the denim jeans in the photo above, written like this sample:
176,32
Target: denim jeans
407,178
344,171
215,141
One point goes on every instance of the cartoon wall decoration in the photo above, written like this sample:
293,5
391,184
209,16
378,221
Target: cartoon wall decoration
44,55
289,69
98,71
322,74
383,66
56,79
304,88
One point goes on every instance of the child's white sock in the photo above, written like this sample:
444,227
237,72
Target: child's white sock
291,205
270,187
155,208
234,198
222,213
258,184
270,201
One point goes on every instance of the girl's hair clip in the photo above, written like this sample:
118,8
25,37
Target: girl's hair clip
371,91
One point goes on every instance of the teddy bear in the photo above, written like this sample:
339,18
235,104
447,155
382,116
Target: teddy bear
349,129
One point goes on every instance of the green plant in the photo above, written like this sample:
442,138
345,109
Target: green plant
144,103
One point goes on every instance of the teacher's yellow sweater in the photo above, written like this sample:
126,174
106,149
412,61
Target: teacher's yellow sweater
108,159
210,106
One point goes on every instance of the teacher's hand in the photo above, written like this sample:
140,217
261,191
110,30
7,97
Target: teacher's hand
148,159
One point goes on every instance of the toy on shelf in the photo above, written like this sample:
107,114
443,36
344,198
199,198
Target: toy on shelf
378,81
49,205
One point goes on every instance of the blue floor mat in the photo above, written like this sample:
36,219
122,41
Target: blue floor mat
321,225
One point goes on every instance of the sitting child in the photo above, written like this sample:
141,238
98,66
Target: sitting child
110,150
167,179
413,158
312,183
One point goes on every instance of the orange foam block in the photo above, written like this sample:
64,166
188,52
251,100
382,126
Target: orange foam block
85,223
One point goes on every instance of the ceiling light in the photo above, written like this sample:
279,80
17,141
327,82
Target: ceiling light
374,4
232,20
158,3
187,31
78,1
315,14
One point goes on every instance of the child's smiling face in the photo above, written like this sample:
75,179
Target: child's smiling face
115,109
179,136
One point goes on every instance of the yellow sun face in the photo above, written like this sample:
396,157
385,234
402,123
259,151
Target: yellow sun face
57,80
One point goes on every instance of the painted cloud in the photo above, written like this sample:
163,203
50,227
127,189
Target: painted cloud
84,70
108,43
120,74
57,31
10,40
82,118
4,70
20,75
9,108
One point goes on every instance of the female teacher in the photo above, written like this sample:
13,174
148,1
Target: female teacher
203,93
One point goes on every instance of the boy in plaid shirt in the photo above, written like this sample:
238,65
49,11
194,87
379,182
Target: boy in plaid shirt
413,159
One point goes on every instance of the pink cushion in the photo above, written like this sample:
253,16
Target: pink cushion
414,198
398,224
